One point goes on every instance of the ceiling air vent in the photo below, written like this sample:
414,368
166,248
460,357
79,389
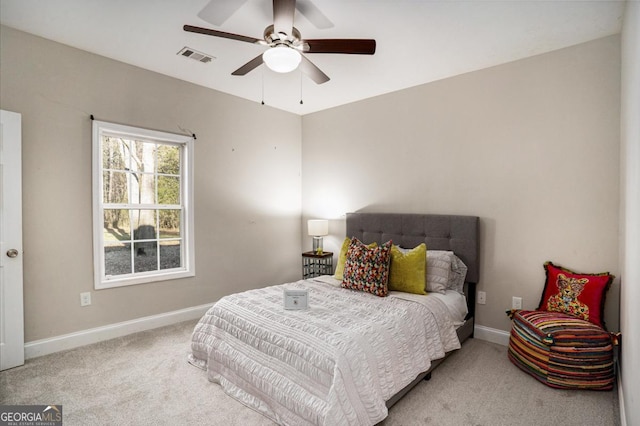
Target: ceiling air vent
194,54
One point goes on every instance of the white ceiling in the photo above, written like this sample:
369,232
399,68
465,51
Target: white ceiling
418,41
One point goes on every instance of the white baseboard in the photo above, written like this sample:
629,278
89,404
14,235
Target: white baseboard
51,345
492,335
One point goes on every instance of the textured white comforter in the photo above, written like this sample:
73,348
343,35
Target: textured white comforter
335,363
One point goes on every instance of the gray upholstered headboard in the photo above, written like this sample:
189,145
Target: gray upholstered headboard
439,232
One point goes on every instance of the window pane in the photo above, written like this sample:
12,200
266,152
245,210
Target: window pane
168,190
143,188
117,258
170,254
170,224
146,257
114,152
169,159
114,187
144,224
144,157
117,226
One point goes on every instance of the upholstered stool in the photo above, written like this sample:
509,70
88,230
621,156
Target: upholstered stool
562,351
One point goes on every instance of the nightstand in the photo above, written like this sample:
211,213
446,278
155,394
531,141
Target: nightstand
314,264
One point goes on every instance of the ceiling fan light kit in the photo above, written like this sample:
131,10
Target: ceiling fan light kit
286,44
281,59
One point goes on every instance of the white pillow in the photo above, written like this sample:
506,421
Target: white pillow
438,270
445,271
457,275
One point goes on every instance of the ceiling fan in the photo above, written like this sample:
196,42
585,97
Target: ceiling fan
286,45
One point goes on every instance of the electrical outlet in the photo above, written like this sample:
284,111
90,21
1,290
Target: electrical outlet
85,299
482,298
516,303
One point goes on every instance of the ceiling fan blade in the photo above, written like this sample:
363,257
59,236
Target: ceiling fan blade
283,11
309,68
215,33
313,14
216,12
249,66
336,45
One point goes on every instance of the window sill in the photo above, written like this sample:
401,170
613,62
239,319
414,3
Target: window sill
162,276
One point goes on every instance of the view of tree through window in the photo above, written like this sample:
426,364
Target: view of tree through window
141,205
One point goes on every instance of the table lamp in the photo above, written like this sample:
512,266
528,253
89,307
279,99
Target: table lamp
317,228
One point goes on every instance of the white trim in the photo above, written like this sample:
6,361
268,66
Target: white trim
492,335
623,414
51,345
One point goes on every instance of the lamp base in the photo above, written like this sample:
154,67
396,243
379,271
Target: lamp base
317,245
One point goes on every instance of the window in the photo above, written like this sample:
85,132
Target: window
142,205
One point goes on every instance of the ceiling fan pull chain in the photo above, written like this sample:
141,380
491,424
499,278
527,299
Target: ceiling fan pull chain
262,87
301,88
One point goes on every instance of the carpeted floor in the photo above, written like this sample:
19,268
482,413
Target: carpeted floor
144,379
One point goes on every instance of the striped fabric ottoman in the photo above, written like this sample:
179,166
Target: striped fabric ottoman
562,351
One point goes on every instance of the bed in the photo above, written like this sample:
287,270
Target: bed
351,355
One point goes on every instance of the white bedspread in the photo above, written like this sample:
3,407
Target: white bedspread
335,363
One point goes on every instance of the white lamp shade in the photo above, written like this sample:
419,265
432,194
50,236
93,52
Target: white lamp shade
318,227
282,59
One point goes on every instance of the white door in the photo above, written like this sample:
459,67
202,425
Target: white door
11,309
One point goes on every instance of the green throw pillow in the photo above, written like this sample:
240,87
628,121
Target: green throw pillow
342,258
407,270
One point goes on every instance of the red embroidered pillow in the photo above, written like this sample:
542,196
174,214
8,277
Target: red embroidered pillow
573,293
367,268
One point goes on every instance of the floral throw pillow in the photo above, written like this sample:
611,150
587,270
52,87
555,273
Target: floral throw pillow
574,293
342,257
367,268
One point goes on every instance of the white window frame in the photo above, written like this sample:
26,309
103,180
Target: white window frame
101,280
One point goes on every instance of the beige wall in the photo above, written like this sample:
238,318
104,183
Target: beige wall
247,190
630,214
532,147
